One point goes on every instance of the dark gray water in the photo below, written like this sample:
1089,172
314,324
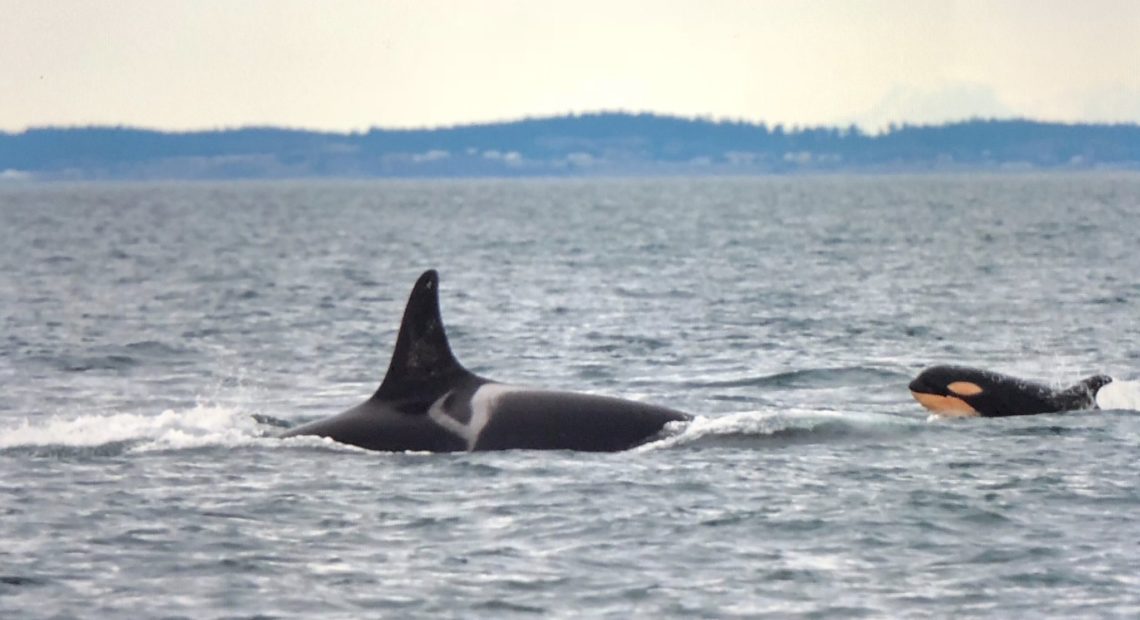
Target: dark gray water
143,325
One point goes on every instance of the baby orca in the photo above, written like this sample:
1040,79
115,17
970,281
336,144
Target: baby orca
962,392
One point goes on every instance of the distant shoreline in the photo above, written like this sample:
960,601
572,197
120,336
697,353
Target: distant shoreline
616,145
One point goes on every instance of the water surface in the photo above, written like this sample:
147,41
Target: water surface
145,324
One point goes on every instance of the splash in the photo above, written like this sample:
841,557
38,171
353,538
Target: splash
197,426
1119,395
200,426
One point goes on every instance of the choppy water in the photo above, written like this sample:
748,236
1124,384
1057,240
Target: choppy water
143,326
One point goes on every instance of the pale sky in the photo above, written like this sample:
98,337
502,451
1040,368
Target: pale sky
350,65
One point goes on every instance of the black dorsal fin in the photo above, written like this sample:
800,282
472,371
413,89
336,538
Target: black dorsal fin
422,365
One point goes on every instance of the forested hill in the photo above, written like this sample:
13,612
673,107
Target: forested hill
591,144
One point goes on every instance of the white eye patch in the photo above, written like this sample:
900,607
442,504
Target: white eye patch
964,388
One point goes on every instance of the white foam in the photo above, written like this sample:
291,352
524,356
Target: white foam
315,441
198,426
1119,395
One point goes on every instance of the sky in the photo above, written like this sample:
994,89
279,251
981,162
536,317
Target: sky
348,65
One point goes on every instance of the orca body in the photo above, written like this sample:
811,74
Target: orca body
429,402
959,391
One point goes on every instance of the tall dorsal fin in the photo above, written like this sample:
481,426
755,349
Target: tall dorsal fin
422,363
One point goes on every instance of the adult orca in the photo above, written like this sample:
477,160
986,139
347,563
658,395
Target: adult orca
429,402
959,391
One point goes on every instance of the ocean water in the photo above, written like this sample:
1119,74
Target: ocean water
145,325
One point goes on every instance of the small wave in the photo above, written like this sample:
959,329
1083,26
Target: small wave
84,363
812,378
114,357
155,348
673,293
614,342
22,581
1122,395
807,425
